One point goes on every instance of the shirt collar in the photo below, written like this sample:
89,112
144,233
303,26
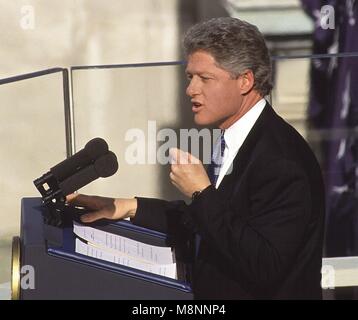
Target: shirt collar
236,134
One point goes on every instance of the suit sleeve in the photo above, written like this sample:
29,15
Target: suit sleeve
262,243
171,217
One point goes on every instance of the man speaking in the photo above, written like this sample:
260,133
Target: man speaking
258,210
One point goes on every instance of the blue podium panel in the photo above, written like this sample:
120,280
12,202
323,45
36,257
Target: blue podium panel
61,273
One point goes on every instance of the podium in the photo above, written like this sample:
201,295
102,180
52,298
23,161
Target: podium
61,273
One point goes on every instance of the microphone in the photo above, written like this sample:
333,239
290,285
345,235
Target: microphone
93,149
88,164
103,167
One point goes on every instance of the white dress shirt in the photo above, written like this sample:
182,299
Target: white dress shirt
235,136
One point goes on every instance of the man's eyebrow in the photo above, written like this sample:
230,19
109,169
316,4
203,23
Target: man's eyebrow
187,72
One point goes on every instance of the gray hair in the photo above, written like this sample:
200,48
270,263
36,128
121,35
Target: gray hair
236,46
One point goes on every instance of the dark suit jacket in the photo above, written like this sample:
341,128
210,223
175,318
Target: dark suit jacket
262,229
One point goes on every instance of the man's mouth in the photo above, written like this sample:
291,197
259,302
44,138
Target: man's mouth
196,106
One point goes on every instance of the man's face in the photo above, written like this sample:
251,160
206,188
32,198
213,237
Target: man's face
216,97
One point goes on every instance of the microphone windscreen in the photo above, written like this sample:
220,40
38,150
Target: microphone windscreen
94,149
106,165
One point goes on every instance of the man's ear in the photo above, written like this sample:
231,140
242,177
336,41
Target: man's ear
246,81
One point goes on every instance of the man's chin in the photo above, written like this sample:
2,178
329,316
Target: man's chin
203,122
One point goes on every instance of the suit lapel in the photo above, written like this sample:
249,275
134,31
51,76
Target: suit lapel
245,152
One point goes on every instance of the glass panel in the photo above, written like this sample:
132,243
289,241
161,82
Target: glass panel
123,105
315,95
32,139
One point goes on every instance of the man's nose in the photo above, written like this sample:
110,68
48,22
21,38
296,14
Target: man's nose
193,88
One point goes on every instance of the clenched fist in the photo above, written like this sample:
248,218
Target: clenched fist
187,172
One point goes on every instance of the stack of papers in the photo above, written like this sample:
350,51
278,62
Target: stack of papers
121,250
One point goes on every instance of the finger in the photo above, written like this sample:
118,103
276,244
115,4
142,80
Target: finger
172,176
193,159
183,157
71,197
179,156
82,200
173,154
174,168
176,172
96,215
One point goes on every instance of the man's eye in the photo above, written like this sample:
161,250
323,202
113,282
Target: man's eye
204,78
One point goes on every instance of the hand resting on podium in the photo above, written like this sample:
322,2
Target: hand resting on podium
103,207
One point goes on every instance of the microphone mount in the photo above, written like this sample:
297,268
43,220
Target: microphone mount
53,198
49,188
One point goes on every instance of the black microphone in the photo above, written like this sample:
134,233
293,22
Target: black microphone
93,149
88,164
103,167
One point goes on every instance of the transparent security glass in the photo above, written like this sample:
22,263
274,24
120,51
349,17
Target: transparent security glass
131,107
32,139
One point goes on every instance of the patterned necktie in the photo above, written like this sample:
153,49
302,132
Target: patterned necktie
216,163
